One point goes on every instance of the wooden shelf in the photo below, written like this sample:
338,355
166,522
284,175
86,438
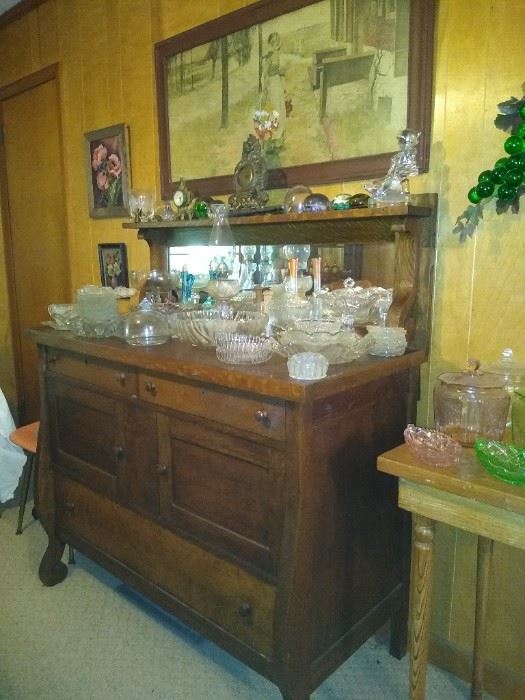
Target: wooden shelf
324,228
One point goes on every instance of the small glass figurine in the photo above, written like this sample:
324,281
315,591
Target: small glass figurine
393,188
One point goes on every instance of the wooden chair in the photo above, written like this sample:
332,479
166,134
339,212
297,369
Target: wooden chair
26,437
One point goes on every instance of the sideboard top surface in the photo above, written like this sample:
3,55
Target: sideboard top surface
200,364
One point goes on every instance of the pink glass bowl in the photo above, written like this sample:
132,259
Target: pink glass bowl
432,446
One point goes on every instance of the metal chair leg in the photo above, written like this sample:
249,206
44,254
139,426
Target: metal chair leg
71,555
24,490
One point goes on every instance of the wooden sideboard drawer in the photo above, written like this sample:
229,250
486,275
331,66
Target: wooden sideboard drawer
256,415
223,593
114,378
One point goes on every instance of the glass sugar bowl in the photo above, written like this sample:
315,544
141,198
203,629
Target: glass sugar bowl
470,405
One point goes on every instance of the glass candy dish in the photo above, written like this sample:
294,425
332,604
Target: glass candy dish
307,366
238,349
359,301
503,460
338,345
431,446
146,326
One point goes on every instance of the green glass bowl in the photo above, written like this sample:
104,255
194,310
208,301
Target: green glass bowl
502,460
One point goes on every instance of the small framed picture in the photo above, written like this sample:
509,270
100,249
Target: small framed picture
107,164
113,262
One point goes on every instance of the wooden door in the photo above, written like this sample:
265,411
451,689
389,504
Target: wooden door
34,218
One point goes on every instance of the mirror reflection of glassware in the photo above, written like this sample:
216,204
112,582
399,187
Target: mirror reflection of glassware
157,287
301,252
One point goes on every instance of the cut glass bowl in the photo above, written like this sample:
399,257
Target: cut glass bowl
431,446
238,349
503,460
338,345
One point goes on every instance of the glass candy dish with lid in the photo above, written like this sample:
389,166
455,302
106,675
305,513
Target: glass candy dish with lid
146,326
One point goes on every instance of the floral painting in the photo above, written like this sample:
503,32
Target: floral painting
108,177
113,264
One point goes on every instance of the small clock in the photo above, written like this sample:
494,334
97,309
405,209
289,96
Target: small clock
182,195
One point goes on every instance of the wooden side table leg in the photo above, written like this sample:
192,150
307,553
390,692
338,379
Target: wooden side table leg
423,531
484,559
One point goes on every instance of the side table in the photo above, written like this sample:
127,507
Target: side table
466,497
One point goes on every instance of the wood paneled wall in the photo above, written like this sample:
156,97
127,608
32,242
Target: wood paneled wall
105,51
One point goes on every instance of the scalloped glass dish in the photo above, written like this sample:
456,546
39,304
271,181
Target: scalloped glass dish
337,345
431,446
238,349
201,327
502,460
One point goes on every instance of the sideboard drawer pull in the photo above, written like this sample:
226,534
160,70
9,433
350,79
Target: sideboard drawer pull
119,451
151,388
263,417
162,469
69,506
121,378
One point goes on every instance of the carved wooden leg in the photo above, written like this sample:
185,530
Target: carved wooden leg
423,530
52,570
482,588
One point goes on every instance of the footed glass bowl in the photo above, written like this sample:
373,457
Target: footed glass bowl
502,460
431,446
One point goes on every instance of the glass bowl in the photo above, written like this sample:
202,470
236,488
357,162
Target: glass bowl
63,314
200,327
239,349
431,446
338,345
223,289
503,460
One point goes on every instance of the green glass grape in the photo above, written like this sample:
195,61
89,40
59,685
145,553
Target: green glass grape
521,131
522,111
485,189
517,160
473,196
514,177
502,163
506,192
485,176
498,175
514,144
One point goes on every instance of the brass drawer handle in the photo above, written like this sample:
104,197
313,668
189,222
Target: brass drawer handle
118,451
121,378
262,416
161,469
151,388
245,610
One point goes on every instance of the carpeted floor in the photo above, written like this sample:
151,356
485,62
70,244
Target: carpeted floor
93,638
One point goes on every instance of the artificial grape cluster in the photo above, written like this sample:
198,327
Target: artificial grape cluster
508,173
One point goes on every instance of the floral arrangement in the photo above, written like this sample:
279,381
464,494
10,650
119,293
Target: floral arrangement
265,123
505,181
107,174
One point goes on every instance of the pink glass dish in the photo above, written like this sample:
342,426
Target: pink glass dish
431,446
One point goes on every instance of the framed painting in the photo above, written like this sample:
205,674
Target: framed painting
327,85
107,169
113,261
